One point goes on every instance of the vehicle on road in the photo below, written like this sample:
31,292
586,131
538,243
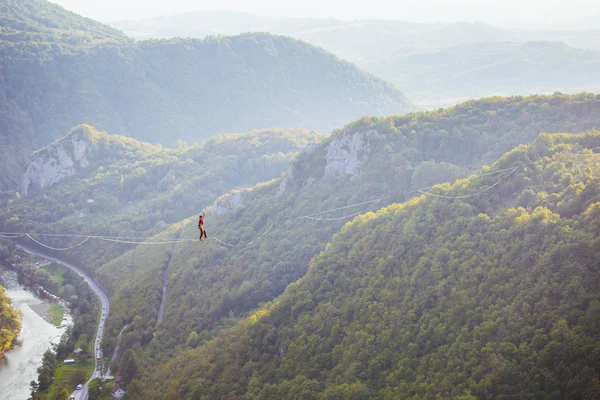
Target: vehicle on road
82,394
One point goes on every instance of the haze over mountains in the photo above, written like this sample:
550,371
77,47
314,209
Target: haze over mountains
455,74
431,62
450,253
327,32
508,13
587,22
59,70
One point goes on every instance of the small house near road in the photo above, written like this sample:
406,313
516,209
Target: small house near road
117,393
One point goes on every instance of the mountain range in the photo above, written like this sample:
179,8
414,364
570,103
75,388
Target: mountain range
436,64
349,38
269,234
459,73
59,70
466,293
449,253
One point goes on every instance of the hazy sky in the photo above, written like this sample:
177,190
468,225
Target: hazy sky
491,11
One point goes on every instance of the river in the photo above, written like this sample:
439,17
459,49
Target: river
20,364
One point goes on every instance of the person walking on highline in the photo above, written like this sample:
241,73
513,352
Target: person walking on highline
201,226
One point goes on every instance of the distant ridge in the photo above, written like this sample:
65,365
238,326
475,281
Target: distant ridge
60,70
31,20
436,64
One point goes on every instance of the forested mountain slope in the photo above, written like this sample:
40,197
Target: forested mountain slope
487,288
161,91
116,186
42,21
273,231
378,161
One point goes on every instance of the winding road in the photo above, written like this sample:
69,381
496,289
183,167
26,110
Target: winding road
83,393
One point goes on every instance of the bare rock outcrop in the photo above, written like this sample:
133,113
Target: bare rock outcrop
228,202
55,163
344,155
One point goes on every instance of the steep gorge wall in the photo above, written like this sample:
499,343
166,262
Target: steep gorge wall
55,163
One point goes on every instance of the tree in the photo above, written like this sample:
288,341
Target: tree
46,370
172,390
114,366
193,340
137,322
69,291
134,389
63,395
33,386
95,389
77,377
128,367
9,322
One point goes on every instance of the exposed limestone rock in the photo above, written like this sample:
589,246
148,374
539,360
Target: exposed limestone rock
344,156
289,176
55,163
227,202
345,153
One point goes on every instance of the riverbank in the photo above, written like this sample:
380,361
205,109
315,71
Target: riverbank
53,309
83,325
51,312
20,364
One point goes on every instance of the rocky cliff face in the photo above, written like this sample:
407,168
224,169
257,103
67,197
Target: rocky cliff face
344,155
54,163
228,202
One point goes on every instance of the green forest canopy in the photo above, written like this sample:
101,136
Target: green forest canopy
42,21
492,296
405,153
10,324
211,287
